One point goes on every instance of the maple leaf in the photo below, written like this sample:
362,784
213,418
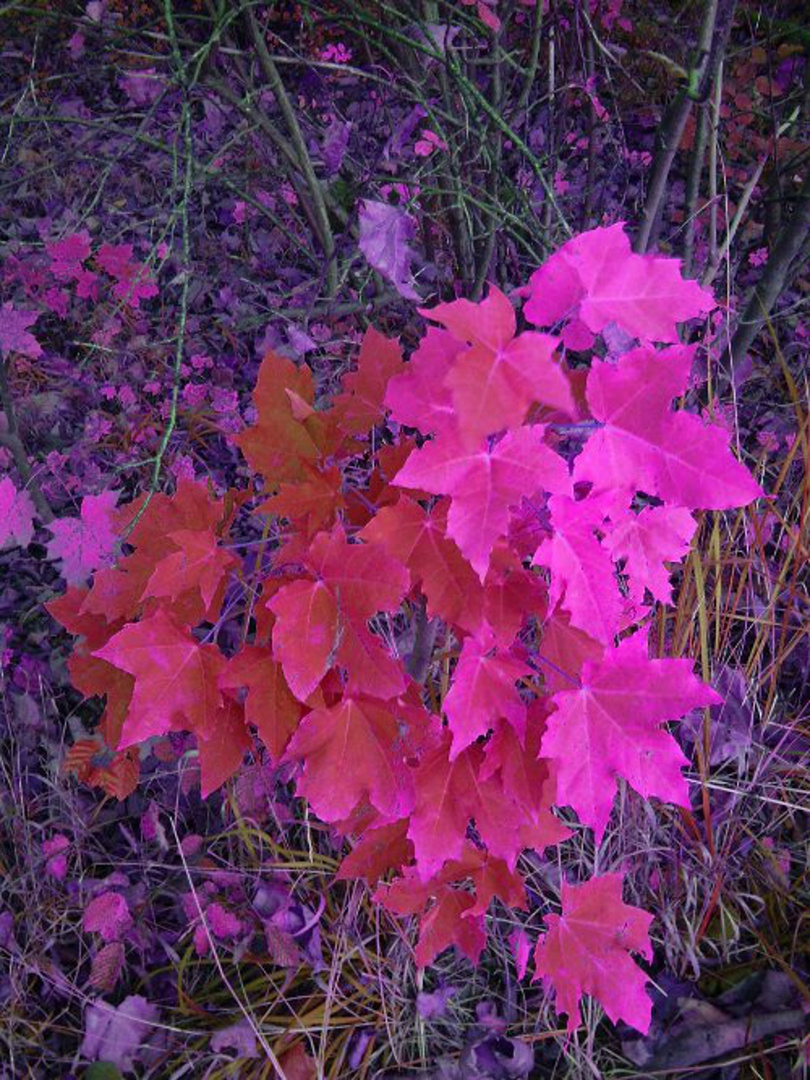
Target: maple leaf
67,256
198,564
381,848
84,544
586,950
14,336
360,406
582,572
648,540
494,382
417,539
483,692
645,446
610,727
313,500
351,751
563,651
322,622
530,779
175,678
16,515
222,750
484,484
418,397
450,922
449,794
280,442
385,235
269,705
596,278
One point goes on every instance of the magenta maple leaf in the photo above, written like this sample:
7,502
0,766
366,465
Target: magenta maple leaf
587,951
385,235
610,727
644,446
483,484
597,278
88,542
16,515
647,541
494,382
14,336
582,573
483,692
418,397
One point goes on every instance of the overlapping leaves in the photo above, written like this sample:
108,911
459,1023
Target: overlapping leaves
479,537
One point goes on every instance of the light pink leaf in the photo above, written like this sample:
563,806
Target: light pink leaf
16,515
385,235
597,278
88,542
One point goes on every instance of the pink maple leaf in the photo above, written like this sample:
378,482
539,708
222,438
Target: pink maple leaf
587,951
610,726
644,446
647,541
483,484
88,542
16,515
597,278
483,692
500,375
14,336
582,573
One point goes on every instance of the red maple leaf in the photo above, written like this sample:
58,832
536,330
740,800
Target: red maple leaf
222,749
483,692
199,563
269,705
313,501
351,751
360,405
483,484
610,726
383,847
322,622
587,951
285,436
175,678
448,795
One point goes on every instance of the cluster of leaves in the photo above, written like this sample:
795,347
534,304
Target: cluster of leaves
444,514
